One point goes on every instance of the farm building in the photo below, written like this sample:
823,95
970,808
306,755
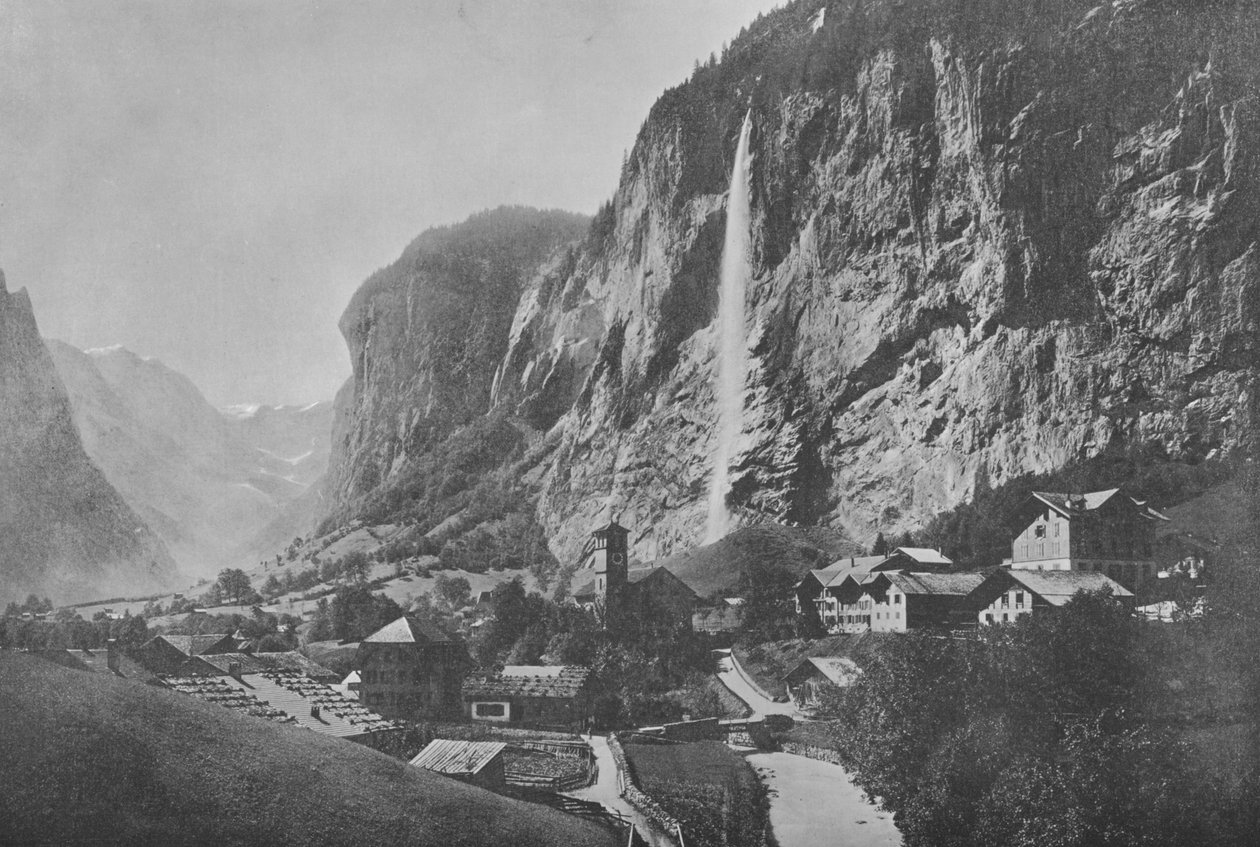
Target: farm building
806,682
168,653
538,696
476,762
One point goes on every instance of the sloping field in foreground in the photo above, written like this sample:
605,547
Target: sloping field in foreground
91,759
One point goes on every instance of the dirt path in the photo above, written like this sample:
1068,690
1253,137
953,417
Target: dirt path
814,803
734,678
607,792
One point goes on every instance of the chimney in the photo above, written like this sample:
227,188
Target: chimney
234,671
111,655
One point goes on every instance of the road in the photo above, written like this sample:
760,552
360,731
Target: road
811,802
734,678
607,792
814,803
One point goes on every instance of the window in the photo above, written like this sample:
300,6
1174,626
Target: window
897,599
1039,531
988,618
488,710
1019,599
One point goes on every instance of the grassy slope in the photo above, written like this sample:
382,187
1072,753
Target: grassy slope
716,567
90,759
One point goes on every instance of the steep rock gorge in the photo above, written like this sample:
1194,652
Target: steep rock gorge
64,531
990,239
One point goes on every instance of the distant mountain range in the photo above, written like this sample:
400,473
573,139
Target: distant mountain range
206,480
64,529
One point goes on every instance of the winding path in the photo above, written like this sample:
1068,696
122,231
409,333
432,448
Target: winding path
607,792
811,802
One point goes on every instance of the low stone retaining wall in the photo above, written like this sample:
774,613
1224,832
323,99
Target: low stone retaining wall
648,807
809,751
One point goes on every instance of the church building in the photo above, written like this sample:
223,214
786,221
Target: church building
606,585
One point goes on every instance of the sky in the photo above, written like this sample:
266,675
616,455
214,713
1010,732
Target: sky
208,183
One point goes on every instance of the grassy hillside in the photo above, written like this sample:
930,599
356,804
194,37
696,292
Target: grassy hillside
90,759
716,568
768,663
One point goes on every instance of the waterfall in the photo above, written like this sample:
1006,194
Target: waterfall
731,351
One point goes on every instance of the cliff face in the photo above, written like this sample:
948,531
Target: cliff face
986,243
426,335
203,480
64,531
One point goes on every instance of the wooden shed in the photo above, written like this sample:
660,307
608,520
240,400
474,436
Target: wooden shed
477,762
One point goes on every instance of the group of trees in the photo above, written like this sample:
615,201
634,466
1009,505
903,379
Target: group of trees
353,614
68,630
1028,734
33,605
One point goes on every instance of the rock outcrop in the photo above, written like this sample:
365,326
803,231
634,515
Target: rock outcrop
64,530
989,240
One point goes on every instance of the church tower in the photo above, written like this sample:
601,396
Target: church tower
607,554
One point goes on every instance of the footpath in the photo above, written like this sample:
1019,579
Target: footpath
607,792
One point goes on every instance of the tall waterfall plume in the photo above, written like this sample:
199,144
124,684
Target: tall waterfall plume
731,350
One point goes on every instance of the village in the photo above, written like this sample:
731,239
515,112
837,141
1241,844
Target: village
591,733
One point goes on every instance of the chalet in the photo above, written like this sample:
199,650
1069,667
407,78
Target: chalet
411,670
1007,594
807,681
537,696
477,762
1105,532
839,602
606,585
898,601
166,654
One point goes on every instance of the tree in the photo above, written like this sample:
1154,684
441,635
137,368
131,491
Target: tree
456,591
355,565
272,587
767,612
233,584
880,547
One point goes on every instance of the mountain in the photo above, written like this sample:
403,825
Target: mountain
988,240
206,480
64,530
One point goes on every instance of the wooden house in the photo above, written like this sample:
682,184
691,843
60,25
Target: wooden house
901,601
807,682
555,697
1007,594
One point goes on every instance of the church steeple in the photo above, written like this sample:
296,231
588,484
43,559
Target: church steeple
607,554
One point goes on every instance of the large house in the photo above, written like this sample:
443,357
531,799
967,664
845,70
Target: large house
605,584
897,601
411,670
1008,594
837,591
1107,532
540,696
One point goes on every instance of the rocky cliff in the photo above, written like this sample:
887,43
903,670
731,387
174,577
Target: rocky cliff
990,239
64,530
205,480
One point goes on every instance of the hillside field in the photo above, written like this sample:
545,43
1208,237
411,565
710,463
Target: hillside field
90,759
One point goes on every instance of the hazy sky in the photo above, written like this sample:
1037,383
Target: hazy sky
208,182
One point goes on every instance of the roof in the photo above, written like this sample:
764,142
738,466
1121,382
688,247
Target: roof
960,584
586,589
923,555
1057,587
457,757
259,662
838,670
641,575
197,645
529,681
611,526
1069,504
408,630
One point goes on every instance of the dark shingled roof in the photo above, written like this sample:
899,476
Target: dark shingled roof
408,630
197,645
960,584
257,662
1057,587
529,681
